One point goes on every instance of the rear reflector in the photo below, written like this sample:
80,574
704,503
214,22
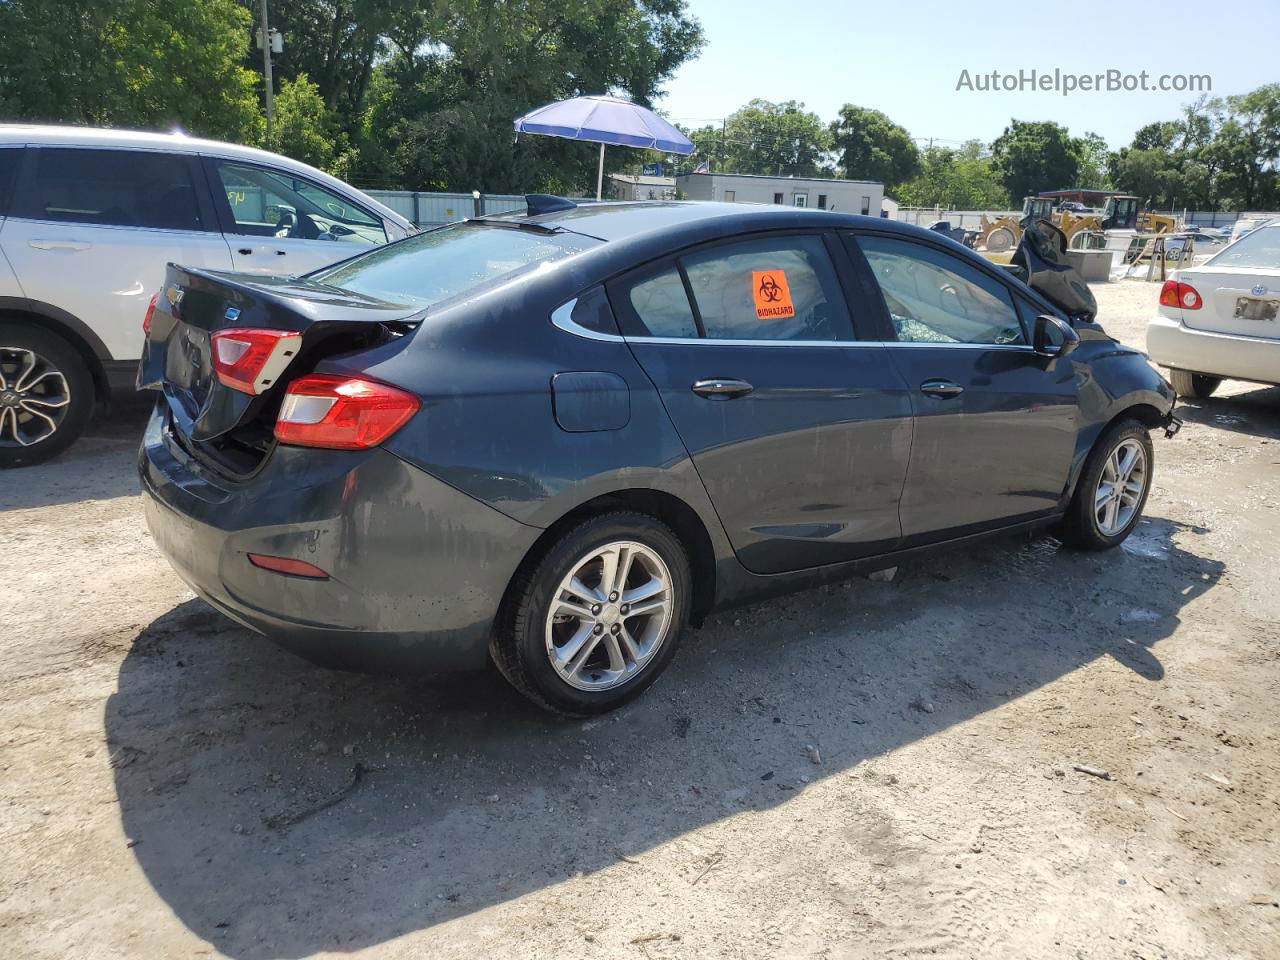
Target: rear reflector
1180,295
295,568
342,413
151,309
250,360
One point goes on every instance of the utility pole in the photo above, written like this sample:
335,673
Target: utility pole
266,71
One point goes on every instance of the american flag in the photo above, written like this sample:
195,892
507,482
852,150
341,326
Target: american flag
702,168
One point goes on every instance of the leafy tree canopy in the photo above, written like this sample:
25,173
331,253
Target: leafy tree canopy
872,147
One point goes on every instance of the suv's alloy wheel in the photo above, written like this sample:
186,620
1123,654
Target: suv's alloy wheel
46,395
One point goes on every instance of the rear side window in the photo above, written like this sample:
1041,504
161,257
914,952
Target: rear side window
771,288
121,188
662,305
1261,248
934,297
441,264
10,157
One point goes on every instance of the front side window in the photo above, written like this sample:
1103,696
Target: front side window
120,188
275,203
770,288
429,268
933,297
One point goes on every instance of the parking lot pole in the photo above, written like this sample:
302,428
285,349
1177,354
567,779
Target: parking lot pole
266,70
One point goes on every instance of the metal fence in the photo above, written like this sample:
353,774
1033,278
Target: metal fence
432,209
923,216
428,209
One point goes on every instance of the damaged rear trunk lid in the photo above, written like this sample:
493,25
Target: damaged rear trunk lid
193,305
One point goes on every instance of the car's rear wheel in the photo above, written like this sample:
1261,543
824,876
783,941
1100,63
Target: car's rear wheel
597,618
46,395
1112,490
1198,385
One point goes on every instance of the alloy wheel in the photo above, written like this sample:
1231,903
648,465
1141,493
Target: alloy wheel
610,615
34,397
1120,488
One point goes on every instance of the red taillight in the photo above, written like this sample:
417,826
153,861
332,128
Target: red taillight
342,413
1180,295
251,360
151,309
295,568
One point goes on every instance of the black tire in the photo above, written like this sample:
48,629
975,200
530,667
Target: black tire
70,420
1198,385
519,645
1080,526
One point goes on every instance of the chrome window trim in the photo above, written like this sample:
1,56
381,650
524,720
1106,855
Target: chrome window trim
562,318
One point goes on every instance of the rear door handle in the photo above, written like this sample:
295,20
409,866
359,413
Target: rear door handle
249,251
941,389
71,245
722,388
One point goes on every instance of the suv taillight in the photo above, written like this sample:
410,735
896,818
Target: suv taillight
250,360
1180,295
342,413
151,310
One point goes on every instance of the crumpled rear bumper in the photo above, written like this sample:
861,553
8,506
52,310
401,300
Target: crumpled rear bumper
416,568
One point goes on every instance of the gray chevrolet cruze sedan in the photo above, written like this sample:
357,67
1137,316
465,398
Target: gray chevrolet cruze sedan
555,439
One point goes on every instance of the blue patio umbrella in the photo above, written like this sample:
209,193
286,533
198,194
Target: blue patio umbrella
606,121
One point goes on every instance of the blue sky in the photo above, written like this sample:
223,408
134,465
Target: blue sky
905,58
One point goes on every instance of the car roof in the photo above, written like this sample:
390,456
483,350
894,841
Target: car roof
175,142
629,219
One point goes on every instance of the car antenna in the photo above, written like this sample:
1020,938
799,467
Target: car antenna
547,203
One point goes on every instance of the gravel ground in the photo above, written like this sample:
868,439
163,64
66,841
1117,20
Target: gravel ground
878,769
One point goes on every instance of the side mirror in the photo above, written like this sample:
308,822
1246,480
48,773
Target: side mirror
1054,337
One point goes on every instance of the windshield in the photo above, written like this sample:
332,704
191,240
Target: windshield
441,264
1261,248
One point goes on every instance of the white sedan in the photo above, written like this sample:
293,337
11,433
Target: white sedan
1219,320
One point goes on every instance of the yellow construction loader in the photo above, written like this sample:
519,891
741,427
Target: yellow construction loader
1121,213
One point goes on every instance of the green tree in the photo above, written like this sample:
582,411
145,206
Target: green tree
129,63
1035,156
442,103
1092,153
960,179
777,139
306,129
1246,147
870,146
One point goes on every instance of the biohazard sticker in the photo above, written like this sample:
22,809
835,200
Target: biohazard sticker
772,295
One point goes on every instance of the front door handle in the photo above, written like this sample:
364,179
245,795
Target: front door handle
722,388
247,251
941,389
70,245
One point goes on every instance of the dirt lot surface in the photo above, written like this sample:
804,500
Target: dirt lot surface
879,769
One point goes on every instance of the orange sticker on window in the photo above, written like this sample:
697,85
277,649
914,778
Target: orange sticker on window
772,295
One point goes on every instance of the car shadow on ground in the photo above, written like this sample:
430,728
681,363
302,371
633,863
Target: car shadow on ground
101,465
280,809
1254,411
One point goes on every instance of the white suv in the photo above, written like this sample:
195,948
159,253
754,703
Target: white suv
88,221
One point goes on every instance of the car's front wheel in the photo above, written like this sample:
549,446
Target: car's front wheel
1198,385
46,395
1112,490
594,622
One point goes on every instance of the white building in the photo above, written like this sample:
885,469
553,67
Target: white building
628,186
845,196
